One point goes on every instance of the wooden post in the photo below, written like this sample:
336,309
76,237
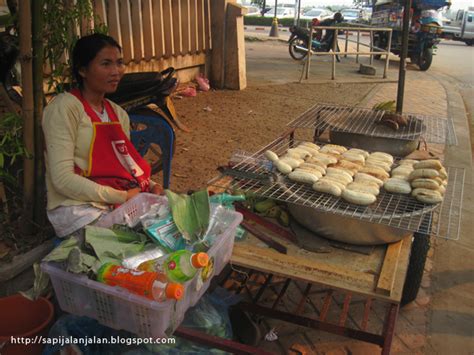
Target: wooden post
371,58
38,62
347,40
334,46
235,74
308,56
387,60
358,41
28,118
218,23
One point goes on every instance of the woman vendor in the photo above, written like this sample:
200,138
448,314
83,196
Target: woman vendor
91,164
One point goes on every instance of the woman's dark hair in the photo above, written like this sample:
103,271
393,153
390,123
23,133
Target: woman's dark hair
86,49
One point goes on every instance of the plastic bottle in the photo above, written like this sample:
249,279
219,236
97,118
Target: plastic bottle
152,285
180,266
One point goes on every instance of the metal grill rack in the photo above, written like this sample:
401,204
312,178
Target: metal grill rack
252,174
366,122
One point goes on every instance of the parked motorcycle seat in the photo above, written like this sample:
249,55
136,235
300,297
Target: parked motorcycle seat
140,85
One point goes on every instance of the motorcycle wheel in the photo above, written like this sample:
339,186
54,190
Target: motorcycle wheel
295,53
425,60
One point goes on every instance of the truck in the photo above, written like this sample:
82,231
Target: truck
425,28
461,28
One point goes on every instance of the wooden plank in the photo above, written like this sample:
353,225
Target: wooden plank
126,27
200,26
298,267
207,26
403,261
389,268
168,28
100,11
193,25
137,32
113,16
158,32
185,28
148,39
177,31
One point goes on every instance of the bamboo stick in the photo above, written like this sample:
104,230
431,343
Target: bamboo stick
28,118
38,95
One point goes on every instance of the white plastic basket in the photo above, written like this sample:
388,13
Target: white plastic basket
119,309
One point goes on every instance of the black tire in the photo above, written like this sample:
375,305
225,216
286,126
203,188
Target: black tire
425,60
295,53
419,252
470,42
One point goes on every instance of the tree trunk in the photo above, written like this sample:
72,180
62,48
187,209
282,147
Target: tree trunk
38,62
28,118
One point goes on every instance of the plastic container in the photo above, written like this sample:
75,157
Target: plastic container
118,308
23,318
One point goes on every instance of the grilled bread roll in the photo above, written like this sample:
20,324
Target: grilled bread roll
320,168
355,158
379,173
344,164
429,164
409,162
272,156
303,176
425,183
309,170
293,162
372,189
362,152
308,149
327,187
336,147
345,175
378,164
423,173
323,158
427,195
398,186
358,198
382,156
283,167
335,180
361,177
303,154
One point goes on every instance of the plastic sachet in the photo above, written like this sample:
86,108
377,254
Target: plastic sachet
166,234
157,211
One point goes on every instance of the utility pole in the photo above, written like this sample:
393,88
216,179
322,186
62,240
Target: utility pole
274,29
403,56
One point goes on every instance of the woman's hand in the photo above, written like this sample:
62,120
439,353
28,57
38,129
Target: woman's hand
157,189
133,192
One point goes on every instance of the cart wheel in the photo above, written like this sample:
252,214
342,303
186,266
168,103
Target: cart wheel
425,60
416,267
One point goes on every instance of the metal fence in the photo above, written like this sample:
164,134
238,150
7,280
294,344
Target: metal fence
373,50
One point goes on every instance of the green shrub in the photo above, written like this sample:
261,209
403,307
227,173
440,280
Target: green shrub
267,21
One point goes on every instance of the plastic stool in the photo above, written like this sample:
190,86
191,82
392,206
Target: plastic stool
158,131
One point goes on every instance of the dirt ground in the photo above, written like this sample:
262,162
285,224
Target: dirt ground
225,121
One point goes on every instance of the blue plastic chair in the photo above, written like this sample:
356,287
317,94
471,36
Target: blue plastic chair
154,129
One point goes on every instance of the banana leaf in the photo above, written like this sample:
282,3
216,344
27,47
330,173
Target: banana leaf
190,213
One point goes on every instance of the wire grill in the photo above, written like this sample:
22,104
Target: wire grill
394,210
366,122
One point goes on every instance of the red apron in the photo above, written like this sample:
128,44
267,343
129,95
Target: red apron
113,160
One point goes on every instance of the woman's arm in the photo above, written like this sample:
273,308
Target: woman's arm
60,125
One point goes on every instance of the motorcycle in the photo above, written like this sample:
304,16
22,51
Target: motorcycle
298,42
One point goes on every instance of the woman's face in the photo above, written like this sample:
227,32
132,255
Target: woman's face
104,72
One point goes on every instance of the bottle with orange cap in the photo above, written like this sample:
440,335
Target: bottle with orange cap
152,285
179,266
